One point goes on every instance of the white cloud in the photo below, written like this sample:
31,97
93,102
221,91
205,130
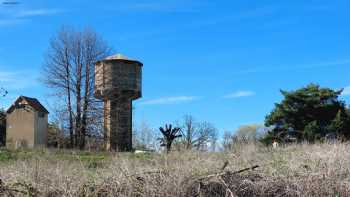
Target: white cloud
169,100
346,91
11,17
16,84
18,80
10,22
159,6
344,62
149,6
239,94
6,76
37,12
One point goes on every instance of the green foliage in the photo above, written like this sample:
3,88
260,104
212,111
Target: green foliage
147,156
25,154
6,155
311,131
267,138
311,111
10,155
338,124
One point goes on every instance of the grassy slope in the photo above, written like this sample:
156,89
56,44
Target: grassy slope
296,170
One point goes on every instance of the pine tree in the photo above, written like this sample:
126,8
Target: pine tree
312,111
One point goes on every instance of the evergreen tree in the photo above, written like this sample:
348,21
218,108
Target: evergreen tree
310,113
338,123
312,131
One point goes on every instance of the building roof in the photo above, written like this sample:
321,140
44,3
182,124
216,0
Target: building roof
118,57
33,102
121,57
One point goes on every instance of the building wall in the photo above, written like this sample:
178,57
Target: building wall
40,129
20,128
118,124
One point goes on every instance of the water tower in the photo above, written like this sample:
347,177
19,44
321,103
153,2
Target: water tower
118,82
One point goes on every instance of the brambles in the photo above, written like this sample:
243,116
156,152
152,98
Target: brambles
294,170
18,188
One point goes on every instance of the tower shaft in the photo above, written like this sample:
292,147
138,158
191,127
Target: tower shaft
118,123
118,82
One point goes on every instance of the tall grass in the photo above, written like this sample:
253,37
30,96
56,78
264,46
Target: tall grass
294,170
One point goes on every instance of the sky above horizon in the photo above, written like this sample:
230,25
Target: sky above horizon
222,62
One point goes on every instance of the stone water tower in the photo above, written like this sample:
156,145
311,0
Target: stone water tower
118,81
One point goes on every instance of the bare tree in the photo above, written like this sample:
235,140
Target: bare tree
145,137
207,134
189,132
228,141
54,137
169,135
68,70
197,134
248,133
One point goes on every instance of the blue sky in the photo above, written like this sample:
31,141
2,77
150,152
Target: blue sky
221,61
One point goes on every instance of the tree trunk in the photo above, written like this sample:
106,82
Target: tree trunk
188,142
78,107
168,147
85,105
71,132
67,68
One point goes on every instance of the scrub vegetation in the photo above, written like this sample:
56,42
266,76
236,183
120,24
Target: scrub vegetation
247,169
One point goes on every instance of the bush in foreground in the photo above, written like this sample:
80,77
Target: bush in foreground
295,170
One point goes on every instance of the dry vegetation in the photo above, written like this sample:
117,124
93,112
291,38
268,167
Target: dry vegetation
295,170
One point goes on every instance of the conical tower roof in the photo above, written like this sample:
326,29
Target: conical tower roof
121,57
117,57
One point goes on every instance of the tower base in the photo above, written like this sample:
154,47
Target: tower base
118,124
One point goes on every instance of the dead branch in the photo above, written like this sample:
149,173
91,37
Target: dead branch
223,173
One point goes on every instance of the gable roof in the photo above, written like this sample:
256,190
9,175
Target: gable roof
33,102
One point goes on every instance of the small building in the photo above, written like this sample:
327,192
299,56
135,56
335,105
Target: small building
26,124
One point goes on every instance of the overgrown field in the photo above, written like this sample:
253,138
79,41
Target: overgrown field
295,170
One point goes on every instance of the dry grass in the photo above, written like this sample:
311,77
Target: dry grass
296,170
